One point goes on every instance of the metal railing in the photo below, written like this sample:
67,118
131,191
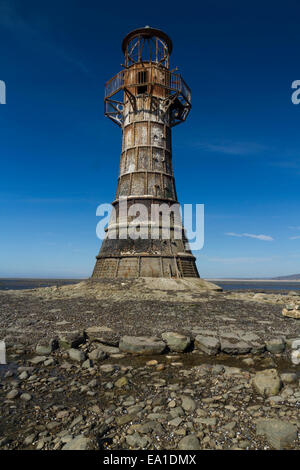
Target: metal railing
114,85
174,82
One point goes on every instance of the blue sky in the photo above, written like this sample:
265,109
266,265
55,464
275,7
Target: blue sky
238,152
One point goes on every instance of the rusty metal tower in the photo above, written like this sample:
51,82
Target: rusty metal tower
146,100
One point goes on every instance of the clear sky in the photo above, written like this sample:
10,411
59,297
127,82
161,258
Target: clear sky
238,152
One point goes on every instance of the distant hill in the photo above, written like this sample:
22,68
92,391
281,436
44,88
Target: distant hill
292,277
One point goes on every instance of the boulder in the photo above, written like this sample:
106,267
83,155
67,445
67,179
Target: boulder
97,355
208,345
176,342
289,378
107,349
121,382
78,443
87,364
267,382
295,357
25,397
278,433
187,403
291,313
37,359
239,347
14,393
257,348
137,441
190,442
44,348
71,339
275,346
141,345
76,355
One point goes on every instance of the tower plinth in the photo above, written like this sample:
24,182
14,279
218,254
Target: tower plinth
146,100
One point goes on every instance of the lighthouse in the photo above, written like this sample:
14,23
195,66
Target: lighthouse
146,100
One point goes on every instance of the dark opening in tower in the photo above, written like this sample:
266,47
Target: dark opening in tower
141,79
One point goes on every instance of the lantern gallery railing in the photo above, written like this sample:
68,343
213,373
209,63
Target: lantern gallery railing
155,76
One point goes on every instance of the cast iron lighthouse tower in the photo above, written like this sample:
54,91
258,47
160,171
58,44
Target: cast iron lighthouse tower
146,100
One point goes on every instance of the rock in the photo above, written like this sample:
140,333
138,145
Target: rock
107,368
204,332
121,382
275,346
24,375
40,444
76,355
209,345
45,348
141,345
87,364
29,439
229,335
71,339
153,362
290,342
49,362
217,369
137,441
295,356
190,442
25,397
76,421
275,399
188,404
37,359
149,427
291,313
176,342
176,412
78,443
289,378
267,382
244,444
230,426
108,349
121,420
52,425
117,356
249,337
239,347
175,422
95,333
279,433
257,348
12,394
207,421
98,355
